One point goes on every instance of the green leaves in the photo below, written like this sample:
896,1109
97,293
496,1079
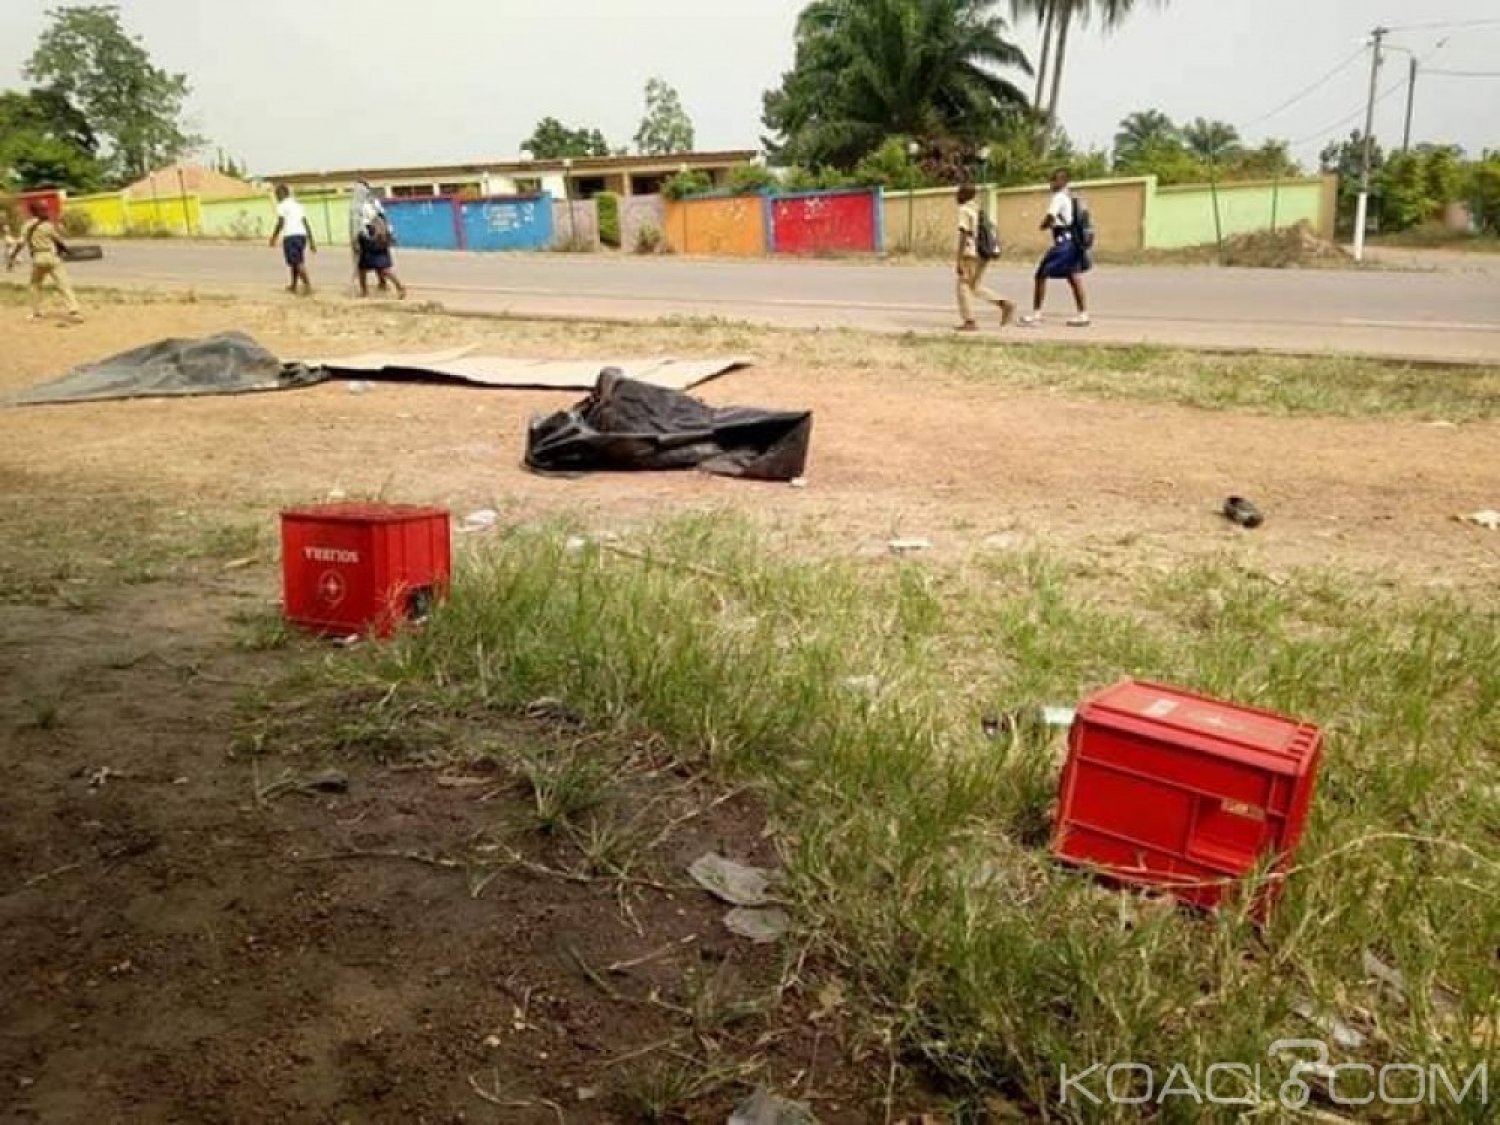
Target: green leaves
867,70
86,58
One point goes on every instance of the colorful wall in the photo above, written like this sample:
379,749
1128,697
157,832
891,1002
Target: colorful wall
1184,216
827,222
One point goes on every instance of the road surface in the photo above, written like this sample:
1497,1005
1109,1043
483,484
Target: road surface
1447,314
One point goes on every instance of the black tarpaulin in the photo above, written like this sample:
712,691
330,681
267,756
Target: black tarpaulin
229,363
626,425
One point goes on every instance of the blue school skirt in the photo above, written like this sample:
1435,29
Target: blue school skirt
1064,259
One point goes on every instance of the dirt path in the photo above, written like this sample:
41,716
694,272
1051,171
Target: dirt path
894,452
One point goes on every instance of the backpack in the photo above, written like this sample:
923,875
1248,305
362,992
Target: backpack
1083,224
986,239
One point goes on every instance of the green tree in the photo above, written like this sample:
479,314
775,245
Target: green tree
1057,18
1212,141
666,127
1148,131
46,142
1346,159
867,70
86,57
1271,160
1402,201
1482,187
552,140
1442,172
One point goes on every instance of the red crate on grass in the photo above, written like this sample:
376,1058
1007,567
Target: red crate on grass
357,567
1173,790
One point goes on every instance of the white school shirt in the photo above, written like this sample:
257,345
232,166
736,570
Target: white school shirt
293,218
1061,210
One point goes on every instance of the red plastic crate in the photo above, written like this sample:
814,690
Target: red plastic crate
1177,791
355,568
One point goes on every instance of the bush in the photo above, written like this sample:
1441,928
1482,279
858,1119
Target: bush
685,184
751,179
76,222
649,240
608,204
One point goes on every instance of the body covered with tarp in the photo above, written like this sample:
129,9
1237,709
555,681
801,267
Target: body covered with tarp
628,425
229,363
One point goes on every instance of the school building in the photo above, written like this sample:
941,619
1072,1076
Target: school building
578,178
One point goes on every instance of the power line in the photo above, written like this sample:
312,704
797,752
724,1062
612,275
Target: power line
1465,73
1445,26
1351,119
1314,88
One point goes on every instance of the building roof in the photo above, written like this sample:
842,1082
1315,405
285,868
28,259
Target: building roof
580,166
192,179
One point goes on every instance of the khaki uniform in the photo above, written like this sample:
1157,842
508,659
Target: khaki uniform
41,239
971,265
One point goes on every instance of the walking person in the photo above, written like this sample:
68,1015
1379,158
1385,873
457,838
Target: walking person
47,248
372,243
295,233
1066,260
977,247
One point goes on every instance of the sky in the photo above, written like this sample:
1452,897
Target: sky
304,85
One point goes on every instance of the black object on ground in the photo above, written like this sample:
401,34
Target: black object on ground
628,425
229,363
1241,511
77,252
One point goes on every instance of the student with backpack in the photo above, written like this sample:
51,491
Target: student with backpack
978,246
1068,258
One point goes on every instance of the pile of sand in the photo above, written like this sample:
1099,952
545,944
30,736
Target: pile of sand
1289,247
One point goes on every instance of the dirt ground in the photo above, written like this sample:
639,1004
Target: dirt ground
174,947
953,460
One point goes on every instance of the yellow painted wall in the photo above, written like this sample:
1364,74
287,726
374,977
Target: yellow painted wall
106,211
180,215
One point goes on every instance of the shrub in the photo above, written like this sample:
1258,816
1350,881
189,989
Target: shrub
76,222
751,179
608,204
648,240
687,183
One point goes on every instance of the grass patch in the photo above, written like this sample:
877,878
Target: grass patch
1334,386
853,694
72,551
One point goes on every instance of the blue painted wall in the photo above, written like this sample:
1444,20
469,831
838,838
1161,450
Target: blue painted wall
423,224
522,222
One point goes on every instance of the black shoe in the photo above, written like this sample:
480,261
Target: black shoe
1241,511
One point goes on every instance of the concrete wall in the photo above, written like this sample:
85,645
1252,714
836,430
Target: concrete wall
249,217
575,225
727,226
516,222
106,211
926,221
1118,208
827,222
638,212
1184,216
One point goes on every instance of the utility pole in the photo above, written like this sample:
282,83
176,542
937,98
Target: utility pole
1362,212
1411,94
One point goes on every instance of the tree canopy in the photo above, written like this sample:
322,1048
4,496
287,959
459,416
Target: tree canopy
86,58
552,140
666,127
46,142
865,70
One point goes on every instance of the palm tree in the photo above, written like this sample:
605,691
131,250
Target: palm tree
1056,18
869,69
1143,131
1211,141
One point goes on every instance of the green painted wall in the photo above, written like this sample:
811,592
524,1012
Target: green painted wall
254,216
1178,217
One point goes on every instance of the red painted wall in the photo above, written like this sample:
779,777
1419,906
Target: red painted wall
833,221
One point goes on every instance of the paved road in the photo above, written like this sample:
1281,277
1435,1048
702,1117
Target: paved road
1449,314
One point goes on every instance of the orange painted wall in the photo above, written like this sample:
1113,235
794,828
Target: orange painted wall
731,227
